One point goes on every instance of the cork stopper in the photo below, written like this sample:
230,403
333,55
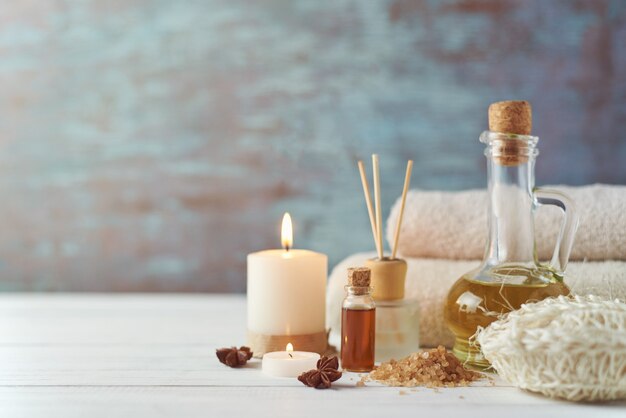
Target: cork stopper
511,117
359,276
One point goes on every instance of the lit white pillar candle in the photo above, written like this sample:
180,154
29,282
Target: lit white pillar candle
286,296
289,363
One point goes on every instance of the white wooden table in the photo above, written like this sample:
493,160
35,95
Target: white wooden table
84,355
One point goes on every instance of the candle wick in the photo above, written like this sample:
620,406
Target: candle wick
290,355
287,247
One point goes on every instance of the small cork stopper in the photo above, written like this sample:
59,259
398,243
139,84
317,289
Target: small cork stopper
359,276
511,117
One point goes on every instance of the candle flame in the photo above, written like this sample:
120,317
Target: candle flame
289,348
286,235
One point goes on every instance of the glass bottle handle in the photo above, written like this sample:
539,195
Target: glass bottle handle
569,224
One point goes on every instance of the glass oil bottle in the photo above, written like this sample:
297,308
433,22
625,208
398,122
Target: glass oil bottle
510,273
358,323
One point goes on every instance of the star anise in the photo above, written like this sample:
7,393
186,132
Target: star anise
233,357
322,377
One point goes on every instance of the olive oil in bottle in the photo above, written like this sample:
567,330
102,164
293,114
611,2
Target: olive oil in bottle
475,303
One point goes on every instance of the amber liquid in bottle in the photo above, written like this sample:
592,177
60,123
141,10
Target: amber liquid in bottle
358,332
473,303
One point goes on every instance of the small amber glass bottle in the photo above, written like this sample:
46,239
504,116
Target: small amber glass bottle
358,323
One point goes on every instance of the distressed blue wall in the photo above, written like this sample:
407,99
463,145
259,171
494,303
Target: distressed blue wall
149,145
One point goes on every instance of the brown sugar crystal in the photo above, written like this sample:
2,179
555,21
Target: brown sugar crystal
432,368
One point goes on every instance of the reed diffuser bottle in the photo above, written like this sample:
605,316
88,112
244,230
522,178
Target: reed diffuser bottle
510,273
358,323
397,320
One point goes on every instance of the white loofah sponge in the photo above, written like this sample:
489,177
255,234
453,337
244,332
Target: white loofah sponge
572,348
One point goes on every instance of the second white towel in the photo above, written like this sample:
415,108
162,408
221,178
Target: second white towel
428,280
453,225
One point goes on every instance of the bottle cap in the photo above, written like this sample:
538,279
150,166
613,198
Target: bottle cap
388,278
511,117
359,276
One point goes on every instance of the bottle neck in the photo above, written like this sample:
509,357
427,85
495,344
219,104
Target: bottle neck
358,298
511,181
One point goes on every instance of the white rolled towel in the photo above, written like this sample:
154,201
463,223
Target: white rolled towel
429,280
453,225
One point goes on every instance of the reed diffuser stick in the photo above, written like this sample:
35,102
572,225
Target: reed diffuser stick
368,202
379,215
407,182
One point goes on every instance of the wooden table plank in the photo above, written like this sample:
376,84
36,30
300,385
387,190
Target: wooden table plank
153,355
121,318
285,402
